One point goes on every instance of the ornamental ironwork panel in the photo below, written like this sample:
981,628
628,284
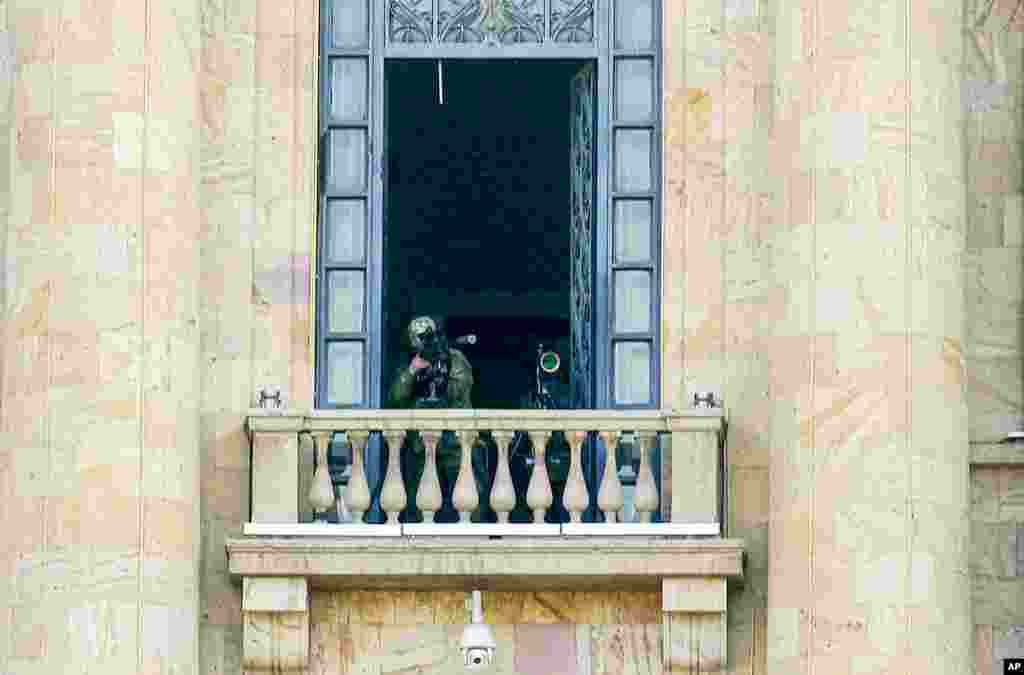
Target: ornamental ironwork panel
411,20
581,234
572,21
499,22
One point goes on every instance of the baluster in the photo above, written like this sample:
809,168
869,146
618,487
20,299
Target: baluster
307,468
645,495
627,477
609,497
321,492
465,497
503,493
392,494
357,493
428,494
538,492
576,498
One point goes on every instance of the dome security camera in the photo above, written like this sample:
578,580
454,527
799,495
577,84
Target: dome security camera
478,644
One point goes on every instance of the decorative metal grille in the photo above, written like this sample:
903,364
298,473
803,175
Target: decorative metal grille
581,235
572,20
491,21
411,21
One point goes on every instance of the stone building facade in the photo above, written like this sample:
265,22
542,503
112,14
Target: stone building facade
842,229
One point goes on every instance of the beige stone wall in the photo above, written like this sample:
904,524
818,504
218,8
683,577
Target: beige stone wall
718,99
536,633
258,70
869,471
99,458
718,214
994,100
6,88
6,80
997,564
99,307
257,211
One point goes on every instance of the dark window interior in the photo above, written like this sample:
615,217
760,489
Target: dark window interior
477,213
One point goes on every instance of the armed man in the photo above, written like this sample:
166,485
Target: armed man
438,376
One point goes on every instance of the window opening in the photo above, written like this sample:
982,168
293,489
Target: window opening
367,119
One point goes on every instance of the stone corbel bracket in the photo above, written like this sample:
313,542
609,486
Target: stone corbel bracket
693,616
275,619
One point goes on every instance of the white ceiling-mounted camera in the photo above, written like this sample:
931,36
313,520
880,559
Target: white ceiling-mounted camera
478,644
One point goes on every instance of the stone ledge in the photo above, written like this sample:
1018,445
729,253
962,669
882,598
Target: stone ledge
261,420
428,563
984,454
477,530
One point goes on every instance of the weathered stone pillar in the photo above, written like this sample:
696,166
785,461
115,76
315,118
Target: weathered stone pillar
99,473
275,619
869,468
694,624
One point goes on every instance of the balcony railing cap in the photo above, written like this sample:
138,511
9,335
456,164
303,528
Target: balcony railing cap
480,419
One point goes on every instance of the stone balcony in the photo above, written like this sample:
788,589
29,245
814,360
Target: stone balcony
647,515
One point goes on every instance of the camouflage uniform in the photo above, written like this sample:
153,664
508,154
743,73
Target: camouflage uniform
402,394
460,384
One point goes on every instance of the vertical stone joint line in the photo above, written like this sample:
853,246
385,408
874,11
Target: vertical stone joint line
723,286
908,241
141,396
297,95
52,216
812,432
255,118
313,185
683,210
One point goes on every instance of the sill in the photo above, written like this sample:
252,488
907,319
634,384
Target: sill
374,419
997,454
465,563
482,530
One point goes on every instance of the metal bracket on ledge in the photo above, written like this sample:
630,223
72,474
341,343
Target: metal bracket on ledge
267,394
706,399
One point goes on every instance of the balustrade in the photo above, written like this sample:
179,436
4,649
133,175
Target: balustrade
640,484
688,468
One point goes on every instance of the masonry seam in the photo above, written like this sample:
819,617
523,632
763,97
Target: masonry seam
197,168
812,440
294,310
256,229
684,197
47,435
964,337
141,395
908,517
313,183
7,106
722,238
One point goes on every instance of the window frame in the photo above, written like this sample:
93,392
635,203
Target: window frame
605,54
